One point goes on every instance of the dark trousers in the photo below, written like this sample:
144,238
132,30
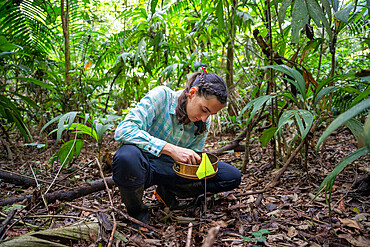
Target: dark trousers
133,167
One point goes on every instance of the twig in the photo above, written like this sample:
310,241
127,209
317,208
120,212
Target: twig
111,203
6,221
127,217
211,237
188,238
87,209
39,188
54,216
252,192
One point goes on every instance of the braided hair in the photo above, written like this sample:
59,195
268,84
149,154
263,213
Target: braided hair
208,84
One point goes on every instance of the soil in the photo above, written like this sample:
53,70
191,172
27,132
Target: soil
287,214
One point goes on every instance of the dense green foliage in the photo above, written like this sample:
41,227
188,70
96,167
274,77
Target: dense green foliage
298,63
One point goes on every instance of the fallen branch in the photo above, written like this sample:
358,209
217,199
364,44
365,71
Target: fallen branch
62,195
188,237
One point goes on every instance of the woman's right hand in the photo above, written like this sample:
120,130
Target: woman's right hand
183,155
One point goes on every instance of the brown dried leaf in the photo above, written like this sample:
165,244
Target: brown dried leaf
356,241
219,223
350,223
292,232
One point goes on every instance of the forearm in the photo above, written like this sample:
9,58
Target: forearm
168,149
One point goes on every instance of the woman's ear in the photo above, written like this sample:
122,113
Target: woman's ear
192,92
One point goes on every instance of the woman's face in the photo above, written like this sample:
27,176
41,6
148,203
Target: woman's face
200,108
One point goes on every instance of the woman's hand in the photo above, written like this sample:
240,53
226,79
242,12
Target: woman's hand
183,155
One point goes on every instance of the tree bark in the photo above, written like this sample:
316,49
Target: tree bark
230,60
64,10
68,195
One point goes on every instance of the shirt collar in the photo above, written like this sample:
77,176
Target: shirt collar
174,102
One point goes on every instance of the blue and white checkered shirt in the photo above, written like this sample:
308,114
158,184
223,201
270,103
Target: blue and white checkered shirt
153,123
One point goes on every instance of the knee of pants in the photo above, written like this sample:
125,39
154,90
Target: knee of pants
228,178
129,166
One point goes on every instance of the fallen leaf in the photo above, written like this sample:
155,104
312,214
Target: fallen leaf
341,206
362,217
360,241
219,223
292,232
350,223
270,206
304,227
251,199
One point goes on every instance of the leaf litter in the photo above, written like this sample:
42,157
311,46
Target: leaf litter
288,214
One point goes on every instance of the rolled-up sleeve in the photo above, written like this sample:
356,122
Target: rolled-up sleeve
134,128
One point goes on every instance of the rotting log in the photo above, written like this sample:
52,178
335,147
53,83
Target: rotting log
68,195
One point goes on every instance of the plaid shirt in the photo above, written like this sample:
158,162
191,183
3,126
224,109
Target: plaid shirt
153,123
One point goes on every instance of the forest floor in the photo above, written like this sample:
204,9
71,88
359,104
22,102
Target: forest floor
285,215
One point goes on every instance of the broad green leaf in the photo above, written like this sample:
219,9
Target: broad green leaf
342,118
315,11
50,122
109,119
299,115
100,129
361,96
343,15
357,130
325,82
34,81
264,231
282,10
28,100
153,4
69,149
267,135
317,14
323,92
70,116
299,19
256,104
247,238
299,81
327,8
367,132
141,51
124,57
220,16
329,180
84,129
5,45
335,4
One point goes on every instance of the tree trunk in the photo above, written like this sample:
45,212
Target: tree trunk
64,10
230,61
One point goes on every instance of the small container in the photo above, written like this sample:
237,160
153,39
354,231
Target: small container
190,171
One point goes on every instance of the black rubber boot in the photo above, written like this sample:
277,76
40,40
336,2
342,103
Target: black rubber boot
167,193
132,198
